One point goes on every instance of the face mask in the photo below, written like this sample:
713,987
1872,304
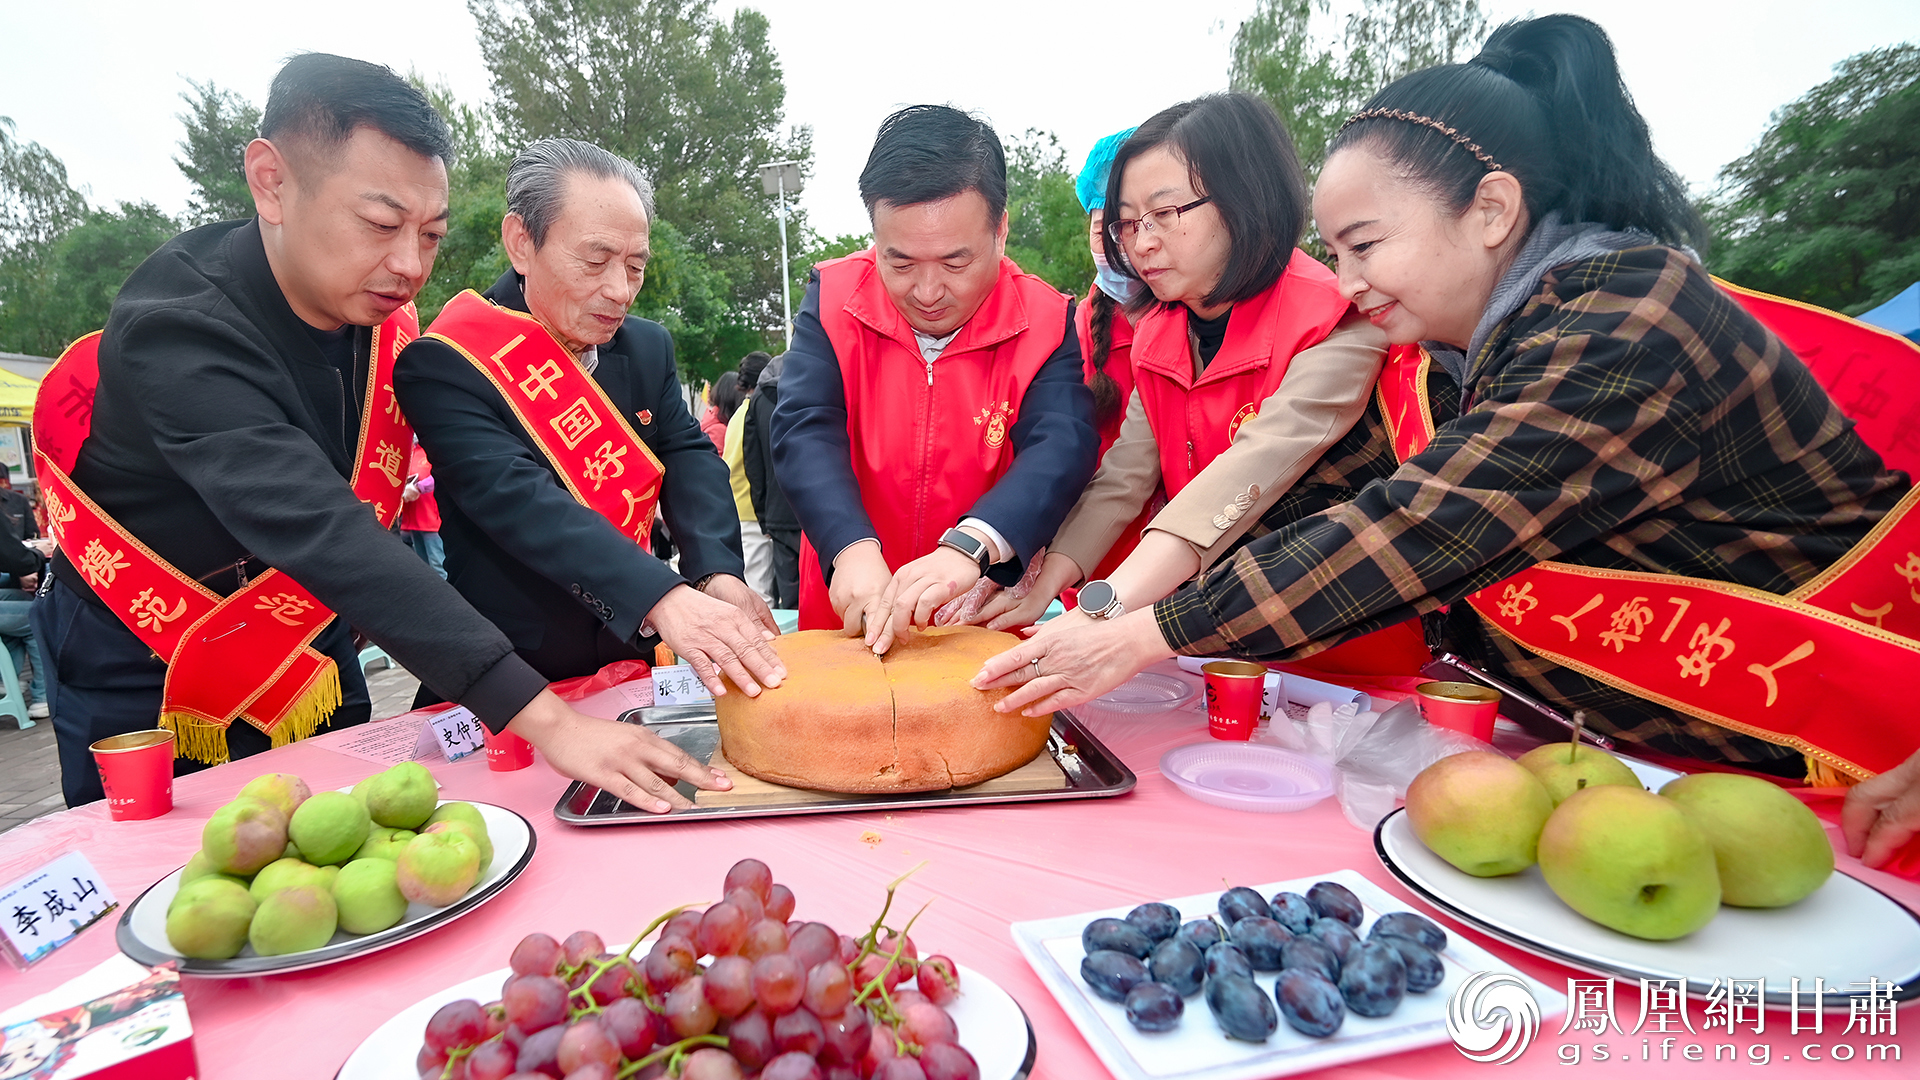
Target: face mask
1114,283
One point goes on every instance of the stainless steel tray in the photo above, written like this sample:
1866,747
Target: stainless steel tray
1091,771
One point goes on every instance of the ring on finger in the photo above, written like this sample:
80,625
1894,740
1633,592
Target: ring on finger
1036,667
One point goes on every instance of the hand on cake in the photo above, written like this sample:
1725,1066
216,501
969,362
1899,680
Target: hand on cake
713,636
625,759
741,595
860,577
916,591
1008,612
1079,658
1882,815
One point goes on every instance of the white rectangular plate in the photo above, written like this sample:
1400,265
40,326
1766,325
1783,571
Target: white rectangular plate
1198,1050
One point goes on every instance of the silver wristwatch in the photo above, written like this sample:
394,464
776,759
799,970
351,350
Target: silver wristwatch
1100,600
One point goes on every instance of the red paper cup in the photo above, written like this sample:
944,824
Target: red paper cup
1234,688
136,769
1468,708
507,751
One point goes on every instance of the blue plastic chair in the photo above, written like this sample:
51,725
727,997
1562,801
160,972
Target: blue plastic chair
15,703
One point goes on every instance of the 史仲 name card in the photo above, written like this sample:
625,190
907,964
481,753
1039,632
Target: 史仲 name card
50,906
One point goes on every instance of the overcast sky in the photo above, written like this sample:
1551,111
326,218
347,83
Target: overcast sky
97,81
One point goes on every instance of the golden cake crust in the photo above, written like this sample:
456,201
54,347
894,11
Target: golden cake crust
846,720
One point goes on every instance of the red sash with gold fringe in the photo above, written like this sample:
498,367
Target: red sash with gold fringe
1807,670
249,655
573,422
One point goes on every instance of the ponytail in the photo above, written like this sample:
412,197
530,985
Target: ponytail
1543,101
1106,391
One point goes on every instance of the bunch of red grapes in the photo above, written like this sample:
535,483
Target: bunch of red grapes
775,1000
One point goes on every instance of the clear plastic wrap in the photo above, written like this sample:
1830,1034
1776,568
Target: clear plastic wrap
1375,755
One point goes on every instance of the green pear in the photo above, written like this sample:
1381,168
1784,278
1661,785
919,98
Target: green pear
294,920
1630,860
438,868
402,797
1771,849
283,790
293,852
208,918
285,874
367,894
464,814
1480,811
1568,767
383,843
243,836
197,867
360,789
329,827
200,868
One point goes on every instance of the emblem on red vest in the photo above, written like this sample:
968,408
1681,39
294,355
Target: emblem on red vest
993,420
1246,413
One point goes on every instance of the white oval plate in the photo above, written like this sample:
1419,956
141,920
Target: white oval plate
1846,932
142,933
993,1028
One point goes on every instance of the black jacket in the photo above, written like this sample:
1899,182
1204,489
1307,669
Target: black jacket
562,581
770,503
221,433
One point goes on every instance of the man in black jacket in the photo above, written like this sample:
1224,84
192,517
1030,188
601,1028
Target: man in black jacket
570,588
223,437
770,504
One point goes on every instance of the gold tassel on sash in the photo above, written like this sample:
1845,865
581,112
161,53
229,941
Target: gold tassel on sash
197,740
1821,774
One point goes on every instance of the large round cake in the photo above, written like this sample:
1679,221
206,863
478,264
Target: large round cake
847,720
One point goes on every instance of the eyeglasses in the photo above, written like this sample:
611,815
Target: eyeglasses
1152,221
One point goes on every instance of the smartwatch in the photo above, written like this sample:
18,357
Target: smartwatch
1099,600
969,545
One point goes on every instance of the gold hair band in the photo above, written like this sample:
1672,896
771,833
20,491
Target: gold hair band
1425,121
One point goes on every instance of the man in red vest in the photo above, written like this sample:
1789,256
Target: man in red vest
933,426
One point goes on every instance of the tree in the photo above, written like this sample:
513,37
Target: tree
37,207
698,103
1286,53
471,256
36,202
220,124
1825,208
1046,229
77,276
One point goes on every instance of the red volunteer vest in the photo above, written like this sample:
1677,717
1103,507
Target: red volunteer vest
928,440
1195,420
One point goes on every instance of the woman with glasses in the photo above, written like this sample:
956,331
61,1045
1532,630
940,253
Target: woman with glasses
1248,364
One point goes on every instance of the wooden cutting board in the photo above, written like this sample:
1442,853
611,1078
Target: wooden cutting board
1040,774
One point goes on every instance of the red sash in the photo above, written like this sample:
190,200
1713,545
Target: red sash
1808,670
249,655
573,422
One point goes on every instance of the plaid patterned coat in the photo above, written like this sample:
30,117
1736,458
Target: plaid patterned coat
1630,415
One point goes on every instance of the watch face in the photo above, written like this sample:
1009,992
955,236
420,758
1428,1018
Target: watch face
1096,597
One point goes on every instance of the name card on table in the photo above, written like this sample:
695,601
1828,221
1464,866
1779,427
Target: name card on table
50,906
455,733
676,684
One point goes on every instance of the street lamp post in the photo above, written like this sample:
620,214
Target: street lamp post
778,178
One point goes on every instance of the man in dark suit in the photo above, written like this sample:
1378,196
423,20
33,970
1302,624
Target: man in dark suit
571,587
770,503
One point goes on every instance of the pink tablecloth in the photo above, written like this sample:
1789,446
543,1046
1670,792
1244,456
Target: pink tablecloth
987,868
